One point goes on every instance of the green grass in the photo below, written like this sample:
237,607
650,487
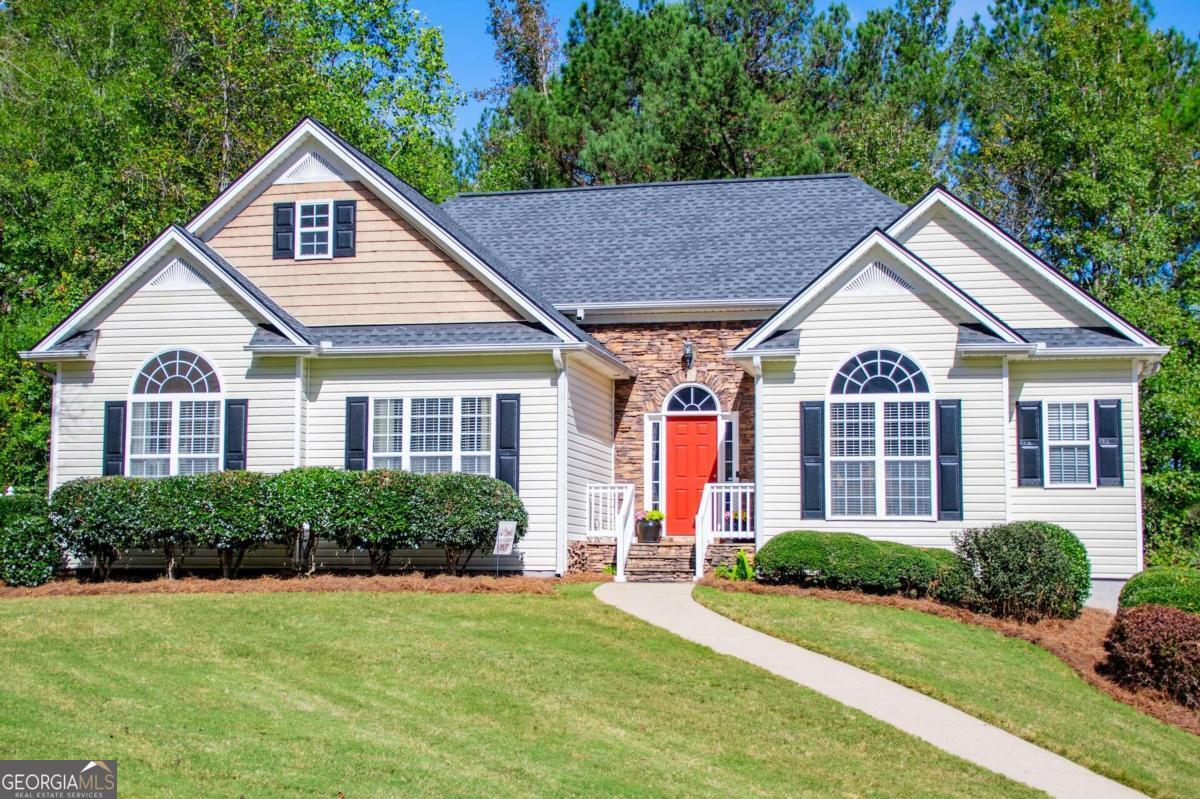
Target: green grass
1010,683
374,695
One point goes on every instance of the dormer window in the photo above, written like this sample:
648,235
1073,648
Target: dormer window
315,231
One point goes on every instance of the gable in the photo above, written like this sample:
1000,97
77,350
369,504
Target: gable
991,277
397,276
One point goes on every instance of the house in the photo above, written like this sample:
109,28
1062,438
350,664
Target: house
749,356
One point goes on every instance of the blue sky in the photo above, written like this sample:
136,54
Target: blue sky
470,53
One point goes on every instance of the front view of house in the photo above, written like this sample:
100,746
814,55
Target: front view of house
748,356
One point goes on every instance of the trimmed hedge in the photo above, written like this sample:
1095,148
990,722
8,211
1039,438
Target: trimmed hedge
459,513
305,506
1025,570
378,514
845,561
29,551
1173,586
1158,647
954,583
100,518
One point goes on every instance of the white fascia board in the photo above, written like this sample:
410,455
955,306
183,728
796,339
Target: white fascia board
100,300
446,242
995,234
56,355
927,274
1154,353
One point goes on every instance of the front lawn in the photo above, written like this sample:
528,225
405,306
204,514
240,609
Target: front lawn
1013,684
374,695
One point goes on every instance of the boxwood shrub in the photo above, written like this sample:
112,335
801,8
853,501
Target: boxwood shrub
1026,570
459,512
228,512
378,514
100,518
954,583
305,505
1158,647
845,561
29,550
1173,586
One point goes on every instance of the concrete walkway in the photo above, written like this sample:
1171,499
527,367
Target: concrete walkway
670,606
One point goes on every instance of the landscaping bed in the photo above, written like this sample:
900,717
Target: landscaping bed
954,655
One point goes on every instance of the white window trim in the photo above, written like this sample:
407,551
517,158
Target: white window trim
328,229
648,451
1090,443
880,459
406,453
173,400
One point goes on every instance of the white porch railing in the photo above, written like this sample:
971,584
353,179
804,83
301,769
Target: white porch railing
610,512
726,511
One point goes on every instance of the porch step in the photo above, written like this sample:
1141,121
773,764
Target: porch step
671,560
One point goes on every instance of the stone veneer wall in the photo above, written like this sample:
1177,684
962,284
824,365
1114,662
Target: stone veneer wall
655,350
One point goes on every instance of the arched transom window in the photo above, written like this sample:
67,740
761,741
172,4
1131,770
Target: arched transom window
880,372
692,399
175,417
879,444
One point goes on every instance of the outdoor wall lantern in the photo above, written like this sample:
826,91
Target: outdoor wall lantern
689,354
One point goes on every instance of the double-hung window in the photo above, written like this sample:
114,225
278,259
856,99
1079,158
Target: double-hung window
175,417
433,434
314,231
880,446
1069,443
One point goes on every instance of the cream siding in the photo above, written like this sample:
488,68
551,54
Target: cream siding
1006,288
330,381
1104,518
922,328
589,439
204,319
397,276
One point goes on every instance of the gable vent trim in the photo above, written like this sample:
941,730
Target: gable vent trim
878,281
311,168
178,275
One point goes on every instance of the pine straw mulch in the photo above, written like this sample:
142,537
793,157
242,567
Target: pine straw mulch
1077,642
274,583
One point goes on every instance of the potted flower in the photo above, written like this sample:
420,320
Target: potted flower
649,526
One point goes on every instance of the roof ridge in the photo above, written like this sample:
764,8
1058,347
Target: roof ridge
666,184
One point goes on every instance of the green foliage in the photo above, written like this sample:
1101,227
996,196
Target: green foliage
459,513
954,584
118,118
1174,586
1026,570
378,513
845,561
742,568
29,551
1171,505
305,506
22,503
1156,647
100,518
228,512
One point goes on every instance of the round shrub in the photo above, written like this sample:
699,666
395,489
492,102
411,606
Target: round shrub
165,511
459,513
29,551
953,583
1158,647
1026,570
228,513
1173,586
844,561
377,514
99,518
304,507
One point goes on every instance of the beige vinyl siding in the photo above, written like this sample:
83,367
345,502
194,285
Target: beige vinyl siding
994,280
1104,518
207,320
920,327
589,439
397,276
330,381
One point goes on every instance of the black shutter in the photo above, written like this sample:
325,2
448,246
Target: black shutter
343,228
508,439
356,433
235,434
949,459
114,438
1109,464
812,460
284,236
1029,443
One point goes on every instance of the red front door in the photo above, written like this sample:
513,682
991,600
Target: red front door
691,462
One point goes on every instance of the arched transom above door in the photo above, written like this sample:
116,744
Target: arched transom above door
691,398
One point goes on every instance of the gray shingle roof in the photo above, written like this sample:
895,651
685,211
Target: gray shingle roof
1051,337
759,238
785,340
417,335
83,340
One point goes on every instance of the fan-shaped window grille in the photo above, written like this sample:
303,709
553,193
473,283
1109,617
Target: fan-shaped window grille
880,372
692,398
177,372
